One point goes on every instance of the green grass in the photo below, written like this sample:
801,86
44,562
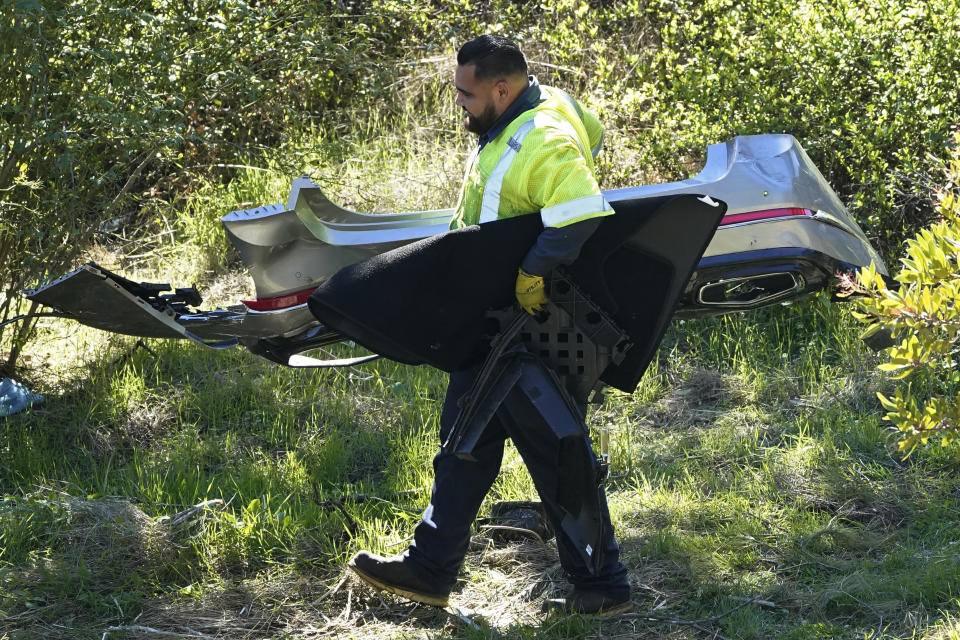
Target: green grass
751,463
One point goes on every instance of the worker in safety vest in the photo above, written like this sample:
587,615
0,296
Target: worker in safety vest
535,154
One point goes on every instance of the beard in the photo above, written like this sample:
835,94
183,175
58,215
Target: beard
481,123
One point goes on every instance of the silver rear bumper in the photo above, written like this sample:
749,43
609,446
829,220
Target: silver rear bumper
295,247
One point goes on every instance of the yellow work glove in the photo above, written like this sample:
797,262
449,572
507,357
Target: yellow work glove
530,292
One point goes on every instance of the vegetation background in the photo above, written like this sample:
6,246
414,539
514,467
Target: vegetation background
753,462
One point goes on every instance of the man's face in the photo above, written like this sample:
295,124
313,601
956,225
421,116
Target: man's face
478,98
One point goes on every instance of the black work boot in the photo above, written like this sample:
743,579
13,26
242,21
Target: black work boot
589,603
396,576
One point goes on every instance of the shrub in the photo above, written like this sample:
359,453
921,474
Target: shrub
924,314
111,111
869,89
114,115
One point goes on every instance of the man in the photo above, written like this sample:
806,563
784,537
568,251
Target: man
534,154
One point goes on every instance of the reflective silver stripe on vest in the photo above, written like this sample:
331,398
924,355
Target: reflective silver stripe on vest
573,103
560,214
491,190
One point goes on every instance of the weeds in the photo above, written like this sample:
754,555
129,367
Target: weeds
751,466
745,471
737,472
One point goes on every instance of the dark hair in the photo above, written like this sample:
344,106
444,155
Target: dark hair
492,55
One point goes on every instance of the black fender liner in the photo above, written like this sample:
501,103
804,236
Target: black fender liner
425,303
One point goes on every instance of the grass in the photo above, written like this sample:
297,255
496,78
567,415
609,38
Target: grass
751,463
738,472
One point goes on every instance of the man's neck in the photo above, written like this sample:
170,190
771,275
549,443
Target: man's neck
525,100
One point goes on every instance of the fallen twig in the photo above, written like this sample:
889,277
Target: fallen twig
136,628
716,635
762,603
130,180
336,588
337,503
681,621
463,617
185,515
791,567
346,612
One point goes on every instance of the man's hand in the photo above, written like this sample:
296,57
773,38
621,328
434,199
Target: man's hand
530,292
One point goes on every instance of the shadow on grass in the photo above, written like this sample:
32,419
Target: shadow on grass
165,430
733,479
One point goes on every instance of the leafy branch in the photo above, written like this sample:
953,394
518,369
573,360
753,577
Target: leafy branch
924,314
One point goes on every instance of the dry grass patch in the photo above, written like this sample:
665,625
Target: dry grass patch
503,588
228,288
697,399
100,547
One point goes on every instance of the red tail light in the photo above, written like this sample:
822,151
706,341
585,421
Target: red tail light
753,216
283,302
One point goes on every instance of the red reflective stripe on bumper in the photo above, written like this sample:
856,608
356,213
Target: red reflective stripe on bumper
272,304
753,216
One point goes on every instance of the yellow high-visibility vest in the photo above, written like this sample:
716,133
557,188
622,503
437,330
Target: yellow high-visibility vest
541,162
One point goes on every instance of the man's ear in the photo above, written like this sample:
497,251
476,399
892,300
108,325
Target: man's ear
501,91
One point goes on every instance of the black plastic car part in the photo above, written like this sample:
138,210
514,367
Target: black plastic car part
104,300
426,303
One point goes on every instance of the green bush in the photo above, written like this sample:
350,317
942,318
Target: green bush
924,314
869,89
111,113
114,115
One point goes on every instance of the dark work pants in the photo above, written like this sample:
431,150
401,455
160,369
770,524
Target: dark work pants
441,538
